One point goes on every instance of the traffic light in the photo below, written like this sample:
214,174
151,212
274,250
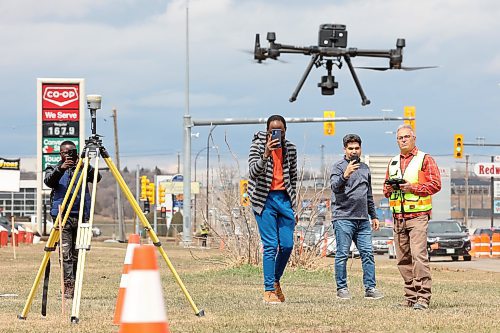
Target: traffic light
150,193
458,152
329,126
144,186
409,112
161,194
163,212
244,199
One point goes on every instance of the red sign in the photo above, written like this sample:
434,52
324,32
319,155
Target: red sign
487,169
56,96
61,115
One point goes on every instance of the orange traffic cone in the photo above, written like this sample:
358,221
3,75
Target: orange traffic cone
143,308
133,242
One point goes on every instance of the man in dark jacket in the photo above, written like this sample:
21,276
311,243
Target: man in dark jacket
352,207
58,178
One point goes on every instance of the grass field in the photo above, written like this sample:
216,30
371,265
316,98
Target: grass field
463,300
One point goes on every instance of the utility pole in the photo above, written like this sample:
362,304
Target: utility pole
322,171
466,208
137,195
121,228
178,162
186,168
492,196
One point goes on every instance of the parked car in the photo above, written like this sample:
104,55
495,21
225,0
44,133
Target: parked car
331,248
447,238
381,239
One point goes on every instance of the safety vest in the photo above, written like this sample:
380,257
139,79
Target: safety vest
411,203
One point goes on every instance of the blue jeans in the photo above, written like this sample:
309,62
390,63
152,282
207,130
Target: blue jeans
360,232
276,224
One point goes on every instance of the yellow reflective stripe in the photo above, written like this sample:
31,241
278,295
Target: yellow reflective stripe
420,202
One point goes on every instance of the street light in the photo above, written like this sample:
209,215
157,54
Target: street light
208,161
195,161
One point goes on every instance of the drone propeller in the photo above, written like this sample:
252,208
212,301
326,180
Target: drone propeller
402,68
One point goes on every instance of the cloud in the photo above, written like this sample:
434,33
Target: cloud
134,53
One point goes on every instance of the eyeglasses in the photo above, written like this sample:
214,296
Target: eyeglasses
407,136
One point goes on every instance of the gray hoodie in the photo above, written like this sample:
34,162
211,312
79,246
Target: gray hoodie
352,198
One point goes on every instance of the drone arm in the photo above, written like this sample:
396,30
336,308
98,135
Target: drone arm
297,49
369,53
364,100
314,58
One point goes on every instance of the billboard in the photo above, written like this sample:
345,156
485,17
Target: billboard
60,116
10,174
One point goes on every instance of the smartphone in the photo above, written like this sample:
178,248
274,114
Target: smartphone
276,134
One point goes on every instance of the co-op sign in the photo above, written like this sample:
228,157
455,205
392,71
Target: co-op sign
60,96
487,169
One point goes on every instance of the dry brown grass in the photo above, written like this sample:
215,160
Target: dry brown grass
463,300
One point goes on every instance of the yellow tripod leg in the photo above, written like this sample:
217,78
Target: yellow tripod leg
54,236
81,244
83,239
152,234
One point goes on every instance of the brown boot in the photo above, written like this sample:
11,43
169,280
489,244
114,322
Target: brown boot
69,289
271,298
279,292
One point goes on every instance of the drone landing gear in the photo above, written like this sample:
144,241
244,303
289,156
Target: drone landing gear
328,83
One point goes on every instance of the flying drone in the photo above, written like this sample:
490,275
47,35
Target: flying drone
331,50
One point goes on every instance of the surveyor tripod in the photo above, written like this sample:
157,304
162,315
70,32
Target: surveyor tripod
93,151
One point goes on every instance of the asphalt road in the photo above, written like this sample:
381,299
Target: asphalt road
489,265
486,264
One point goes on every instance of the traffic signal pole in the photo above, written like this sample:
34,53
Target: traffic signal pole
189,123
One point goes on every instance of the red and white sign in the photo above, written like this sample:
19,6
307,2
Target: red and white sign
61,115
487,169
60,96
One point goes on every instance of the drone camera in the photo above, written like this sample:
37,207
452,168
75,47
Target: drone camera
328,85
332,35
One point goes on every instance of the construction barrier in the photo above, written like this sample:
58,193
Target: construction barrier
133,242
29,236
475,240
143,307
483,247
14,237
325,245
21,235
4,237
495,245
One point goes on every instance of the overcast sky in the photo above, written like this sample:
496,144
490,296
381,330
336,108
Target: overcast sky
133,53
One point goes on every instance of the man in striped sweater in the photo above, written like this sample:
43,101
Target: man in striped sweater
272,164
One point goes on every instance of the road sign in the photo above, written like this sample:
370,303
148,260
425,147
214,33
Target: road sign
496,189
487,169
497,207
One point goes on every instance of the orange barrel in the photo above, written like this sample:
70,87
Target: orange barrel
495,245
484,246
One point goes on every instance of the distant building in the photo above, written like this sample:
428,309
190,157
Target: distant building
22,203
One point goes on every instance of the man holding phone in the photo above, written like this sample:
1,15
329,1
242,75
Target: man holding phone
58,178
272,165
352,208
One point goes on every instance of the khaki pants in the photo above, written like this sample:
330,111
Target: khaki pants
410,237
